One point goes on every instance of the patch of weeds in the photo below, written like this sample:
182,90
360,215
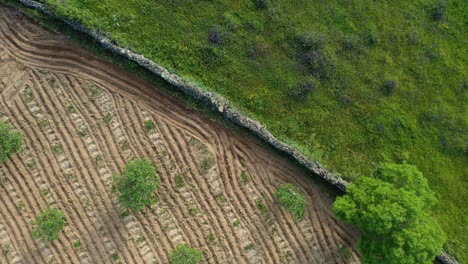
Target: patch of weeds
108,118
124,145
249,247
45,191
101,230
389,87
194,211
115,257
179,181
301,91
83,132
216,35
244,177
28,94
57,148
70,108
98,160
51,82
77,244
220,198
291,198
149,126
20,205
3,180
261,4
140,239
183,254
125,213
236,223
31,164
439,13
345,252
287,256
7,249
71,177
211,237
261,206
43,123
93,91
206,164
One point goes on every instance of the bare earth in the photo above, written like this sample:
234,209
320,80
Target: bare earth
82,119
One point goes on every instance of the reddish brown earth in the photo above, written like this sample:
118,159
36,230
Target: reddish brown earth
82,119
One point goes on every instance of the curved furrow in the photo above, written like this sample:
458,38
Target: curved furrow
9,254
205,201
46,167
53,107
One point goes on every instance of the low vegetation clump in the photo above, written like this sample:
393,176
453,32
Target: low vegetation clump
292,199
137,185
391,210
184,254
11,141
49,224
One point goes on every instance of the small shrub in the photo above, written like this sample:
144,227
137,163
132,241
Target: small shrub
57,148
309,41
261,4
77,244
439,12
137,185
261,206
211,237
115,257
236,223
11,141
244,177
149,126
216,35
184,254
371,39
319,65
292,199
48,224
389,87
108,118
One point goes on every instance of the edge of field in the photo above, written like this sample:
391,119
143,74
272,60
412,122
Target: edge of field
217,103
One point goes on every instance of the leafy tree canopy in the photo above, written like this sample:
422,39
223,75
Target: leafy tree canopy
48,224
137,185
391,210
184,254
11,141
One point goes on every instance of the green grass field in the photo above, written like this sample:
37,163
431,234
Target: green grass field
351,83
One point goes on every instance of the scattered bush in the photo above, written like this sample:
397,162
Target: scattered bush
292,199
439,12
184,254
310,41
261,4
244,177
261,206
212,56
301,92
179,181
137,185
391,209
215,35
11,141
48,224
389,87
318,64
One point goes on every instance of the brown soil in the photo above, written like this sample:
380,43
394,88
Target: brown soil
82,119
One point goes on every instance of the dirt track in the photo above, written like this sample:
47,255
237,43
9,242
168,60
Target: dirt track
83,119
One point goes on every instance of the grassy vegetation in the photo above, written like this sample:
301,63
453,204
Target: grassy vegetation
292,199
48,224
11,141
349,83
184,254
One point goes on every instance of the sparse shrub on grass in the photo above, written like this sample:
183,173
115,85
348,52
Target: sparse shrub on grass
292,199
301,91
310,41
439,13
149,126
391,209
48,224
11,141
137,185
261,4
216,35
389,87
183,254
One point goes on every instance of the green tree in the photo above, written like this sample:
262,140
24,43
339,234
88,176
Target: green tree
137,185
391,209
184,254
292,199
11,141
48,224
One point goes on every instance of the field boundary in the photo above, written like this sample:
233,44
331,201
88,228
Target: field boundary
214,100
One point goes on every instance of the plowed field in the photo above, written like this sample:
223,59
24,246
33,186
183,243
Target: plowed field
82,119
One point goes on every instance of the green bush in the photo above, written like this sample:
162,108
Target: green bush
48,224
184,254
391,210
137,185
11,141
292,199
